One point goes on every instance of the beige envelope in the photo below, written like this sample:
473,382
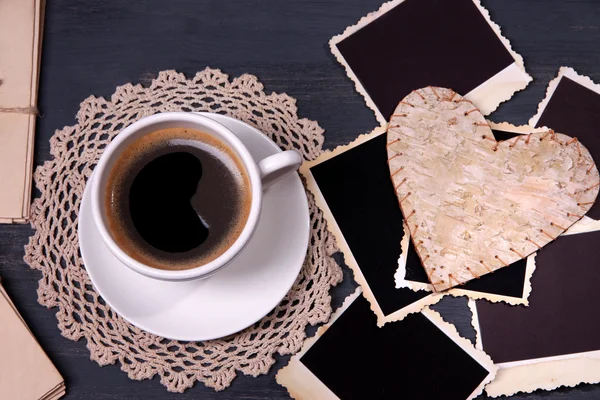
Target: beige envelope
21,26
26,373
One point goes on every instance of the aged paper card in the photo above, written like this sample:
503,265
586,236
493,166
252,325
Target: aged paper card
25,370
20,47
352,186
556,340
430,359
408,44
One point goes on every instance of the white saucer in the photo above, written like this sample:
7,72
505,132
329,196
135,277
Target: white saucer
234,298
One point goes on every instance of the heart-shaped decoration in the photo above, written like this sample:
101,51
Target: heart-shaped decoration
472,204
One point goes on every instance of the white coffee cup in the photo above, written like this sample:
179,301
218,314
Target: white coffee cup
261,175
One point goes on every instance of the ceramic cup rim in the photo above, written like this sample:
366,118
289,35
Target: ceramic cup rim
162,121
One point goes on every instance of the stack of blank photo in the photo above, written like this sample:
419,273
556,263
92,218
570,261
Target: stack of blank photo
534,318
25,371
21,29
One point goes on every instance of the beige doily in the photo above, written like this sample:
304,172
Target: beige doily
54,248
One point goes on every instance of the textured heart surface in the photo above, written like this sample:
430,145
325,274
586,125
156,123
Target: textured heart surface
474,204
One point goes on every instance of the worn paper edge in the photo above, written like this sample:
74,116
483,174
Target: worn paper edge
349,259
302,384
491,107
482,358
549,373
571,74
299,381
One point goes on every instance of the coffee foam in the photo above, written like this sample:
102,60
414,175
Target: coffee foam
127,166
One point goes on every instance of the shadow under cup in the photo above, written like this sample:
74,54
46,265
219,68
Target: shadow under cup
158,122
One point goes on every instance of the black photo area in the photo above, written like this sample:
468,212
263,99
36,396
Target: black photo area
562,313
574,110
359,191
410,359
424,43
508,281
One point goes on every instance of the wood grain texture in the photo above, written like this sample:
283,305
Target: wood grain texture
91,47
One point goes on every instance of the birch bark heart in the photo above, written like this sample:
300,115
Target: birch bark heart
472,204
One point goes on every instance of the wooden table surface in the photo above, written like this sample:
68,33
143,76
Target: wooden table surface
92,47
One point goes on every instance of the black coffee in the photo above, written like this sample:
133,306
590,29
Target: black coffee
177,199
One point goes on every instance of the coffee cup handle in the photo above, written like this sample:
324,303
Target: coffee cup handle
278,166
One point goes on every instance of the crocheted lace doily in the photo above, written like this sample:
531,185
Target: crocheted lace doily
54,247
